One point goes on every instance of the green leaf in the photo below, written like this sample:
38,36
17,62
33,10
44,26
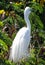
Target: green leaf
5,38
1,24
37,7
36,21
3,45
27,63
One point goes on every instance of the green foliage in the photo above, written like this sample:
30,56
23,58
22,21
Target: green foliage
5,38
37,7
3,45
20,19
8,20
1,24
3,49
6,62
36,21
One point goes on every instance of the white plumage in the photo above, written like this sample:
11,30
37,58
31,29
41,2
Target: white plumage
19,48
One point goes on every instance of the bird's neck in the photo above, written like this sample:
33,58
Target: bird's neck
27,22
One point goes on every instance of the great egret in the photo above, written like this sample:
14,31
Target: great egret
19,48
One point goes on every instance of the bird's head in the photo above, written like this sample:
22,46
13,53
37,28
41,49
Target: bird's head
27,11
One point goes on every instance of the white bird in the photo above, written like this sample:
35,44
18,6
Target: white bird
19,48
